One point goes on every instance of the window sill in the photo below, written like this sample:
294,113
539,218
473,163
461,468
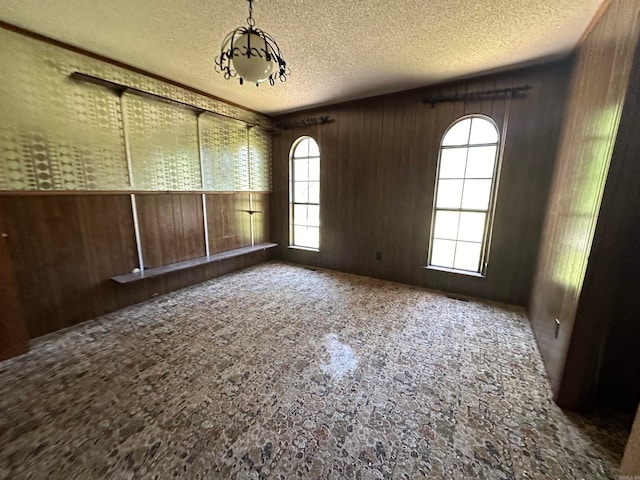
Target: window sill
453,270
306,249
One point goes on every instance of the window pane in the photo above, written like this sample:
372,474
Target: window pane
302,149
467,256
300,192
314,169
306,215
446,225
314,151
471,226
314,192
476,194
301,169
483,131
458,134
449,193
300,215
480,163
452,161
306,236
313,215
442,253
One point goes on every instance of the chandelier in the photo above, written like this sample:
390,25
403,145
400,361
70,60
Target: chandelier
252,55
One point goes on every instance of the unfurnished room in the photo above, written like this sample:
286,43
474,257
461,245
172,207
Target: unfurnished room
269,239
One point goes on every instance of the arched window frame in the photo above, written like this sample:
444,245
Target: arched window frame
304,213
489,212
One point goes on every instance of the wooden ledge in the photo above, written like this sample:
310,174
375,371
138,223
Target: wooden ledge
174,267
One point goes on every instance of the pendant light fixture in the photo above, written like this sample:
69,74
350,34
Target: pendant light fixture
252,55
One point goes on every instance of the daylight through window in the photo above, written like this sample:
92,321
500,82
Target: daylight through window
304,203
464,195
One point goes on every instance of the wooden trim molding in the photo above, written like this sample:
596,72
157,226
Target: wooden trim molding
36,193
596,18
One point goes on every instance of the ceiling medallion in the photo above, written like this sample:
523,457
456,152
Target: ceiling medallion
252,55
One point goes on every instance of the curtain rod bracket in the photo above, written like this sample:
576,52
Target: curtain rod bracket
514,92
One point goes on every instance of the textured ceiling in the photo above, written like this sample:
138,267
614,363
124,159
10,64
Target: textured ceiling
337,49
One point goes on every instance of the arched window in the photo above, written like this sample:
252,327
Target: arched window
304,194
464,195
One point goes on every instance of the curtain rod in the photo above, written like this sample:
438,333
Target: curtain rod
119,89
480,95
309,121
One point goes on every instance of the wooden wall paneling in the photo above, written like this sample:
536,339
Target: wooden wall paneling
189,220
218,222
596,96
363,188
157,232
378,176
45,243
386,213
328,137
606,329
228,221
171,227
14,337
109,241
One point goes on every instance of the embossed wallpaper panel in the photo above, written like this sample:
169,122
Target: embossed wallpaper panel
164,145
259,160
55,134
59,134
224,154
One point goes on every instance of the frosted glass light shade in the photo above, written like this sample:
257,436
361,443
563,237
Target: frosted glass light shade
254,68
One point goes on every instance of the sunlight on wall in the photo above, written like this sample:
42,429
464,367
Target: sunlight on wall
590,174
58,134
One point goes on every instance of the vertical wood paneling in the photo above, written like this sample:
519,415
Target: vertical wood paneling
66,248
171,227
228,221
602,360
13,330
51,260
596,98
51,270
108,238
378,166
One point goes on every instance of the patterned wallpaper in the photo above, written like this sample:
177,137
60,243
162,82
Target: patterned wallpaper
163,142
59,134
224,154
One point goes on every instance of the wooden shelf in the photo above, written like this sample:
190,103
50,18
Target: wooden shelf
175,267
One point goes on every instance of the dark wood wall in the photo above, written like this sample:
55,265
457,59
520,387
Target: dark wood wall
65,247
602,360
13,331
378,167
575,283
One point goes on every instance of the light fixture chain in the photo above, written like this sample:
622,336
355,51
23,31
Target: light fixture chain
250,20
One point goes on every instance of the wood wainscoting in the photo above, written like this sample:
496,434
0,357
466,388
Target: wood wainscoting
65,247
13,331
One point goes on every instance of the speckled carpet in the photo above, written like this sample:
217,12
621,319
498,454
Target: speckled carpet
282,372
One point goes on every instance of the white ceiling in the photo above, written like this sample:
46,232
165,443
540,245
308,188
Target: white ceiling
337,49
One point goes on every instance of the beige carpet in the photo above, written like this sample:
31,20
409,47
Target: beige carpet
282,372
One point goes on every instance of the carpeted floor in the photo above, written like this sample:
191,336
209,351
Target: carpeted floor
279,371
